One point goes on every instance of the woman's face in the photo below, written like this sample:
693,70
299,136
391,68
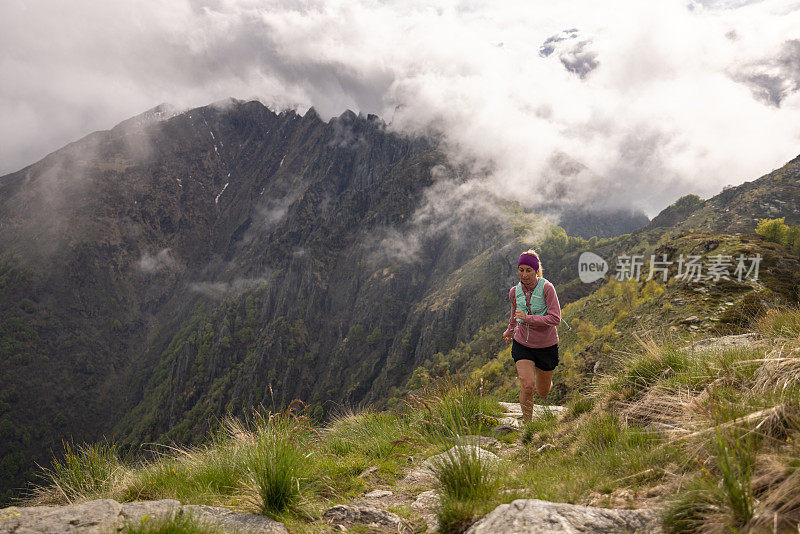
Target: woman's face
526,274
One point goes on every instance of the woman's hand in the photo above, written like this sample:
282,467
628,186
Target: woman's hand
508,336
519,314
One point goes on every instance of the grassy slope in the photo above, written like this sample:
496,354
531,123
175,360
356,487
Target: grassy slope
648,422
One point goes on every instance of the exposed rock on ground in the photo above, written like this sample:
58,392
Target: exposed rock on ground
106,515
419,477
250,523
93,516
425,505
372,517
513,409
725,342
539,517
485,442
377,494
483,454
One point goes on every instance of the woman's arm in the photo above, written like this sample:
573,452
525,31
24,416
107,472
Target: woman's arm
553,316
512,321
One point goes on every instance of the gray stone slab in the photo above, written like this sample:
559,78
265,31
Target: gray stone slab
542,517
227,519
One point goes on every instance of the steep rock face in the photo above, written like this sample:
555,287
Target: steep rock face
305,301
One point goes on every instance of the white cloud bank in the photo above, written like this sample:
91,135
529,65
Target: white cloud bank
657,99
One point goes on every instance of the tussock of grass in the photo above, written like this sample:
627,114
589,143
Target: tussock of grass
636,373
542,427
84,473
209,474
720,495
784,323
469,483
278,463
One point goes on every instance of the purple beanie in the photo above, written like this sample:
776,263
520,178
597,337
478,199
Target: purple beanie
529,259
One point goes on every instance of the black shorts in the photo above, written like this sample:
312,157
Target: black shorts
545,358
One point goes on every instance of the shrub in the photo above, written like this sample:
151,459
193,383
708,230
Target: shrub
772,230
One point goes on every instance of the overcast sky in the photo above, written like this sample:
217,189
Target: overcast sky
656,99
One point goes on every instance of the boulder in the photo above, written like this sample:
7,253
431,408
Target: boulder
509,421
513,409
534,516
419,477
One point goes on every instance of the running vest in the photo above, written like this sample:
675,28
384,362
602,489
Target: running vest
538,305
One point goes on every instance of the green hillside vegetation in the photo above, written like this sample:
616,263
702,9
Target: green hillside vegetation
710,436
707,433
777,231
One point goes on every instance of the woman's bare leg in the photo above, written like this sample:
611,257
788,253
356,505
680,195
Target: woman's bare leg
544,381
525,372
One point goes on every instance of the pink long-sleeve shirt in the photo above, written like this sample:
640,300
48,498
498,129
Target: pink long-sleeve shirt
540,330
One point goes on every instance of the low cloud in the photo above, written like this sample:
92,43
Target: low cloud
656,100
163,260
273,206
451,207
220,290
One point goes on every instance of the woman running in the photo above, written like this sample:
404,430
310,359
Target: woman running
535,313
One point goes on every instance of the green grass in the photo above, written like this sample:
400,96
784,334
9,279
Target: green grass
210,474
85,472
447,409
376,435
278,462
174,524
542,426
721,494
469,487
639,371
783,323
